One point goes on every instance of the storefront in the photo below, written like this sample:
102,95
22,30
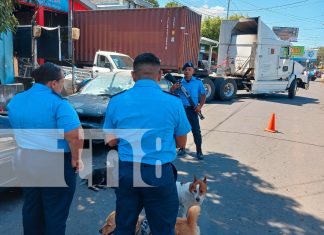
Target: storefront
51,13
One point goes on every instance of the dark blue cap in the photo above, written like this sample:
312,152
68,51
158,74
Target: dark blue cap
188,64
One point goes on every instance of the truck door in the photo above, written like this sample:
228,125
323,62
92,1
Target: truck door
101,65
284,63
268,61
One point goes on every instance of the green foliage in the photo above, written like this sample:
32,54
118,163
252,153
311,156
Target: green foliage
210,27
173,4
155,3
320,54
8,21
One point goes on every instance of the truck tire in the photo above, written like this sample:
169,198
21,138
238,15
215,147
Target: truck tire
292,89
210,89
225,89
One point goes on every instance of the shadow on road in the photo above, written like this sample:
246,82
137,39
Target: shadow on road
280,98
235,202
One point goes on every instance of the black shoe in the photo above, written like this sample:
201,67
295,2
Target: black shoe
181,152
200,155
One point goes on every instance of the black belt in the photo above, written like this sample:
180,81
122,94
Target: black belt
187,107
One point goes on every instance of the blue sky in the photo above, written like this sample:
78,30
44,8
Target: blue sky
307,15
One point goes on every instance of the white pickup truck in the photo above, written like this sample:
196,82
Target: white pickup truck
104,62
107,61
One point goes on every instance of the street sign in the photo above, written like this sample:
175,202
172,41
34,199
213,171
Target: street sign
297,51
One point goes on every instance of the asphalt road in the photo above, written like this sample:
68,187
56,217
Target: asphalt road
258,182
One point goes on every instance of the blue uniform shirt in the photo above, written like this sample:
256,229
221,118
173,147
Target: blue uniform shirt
150,117
39,112
195,87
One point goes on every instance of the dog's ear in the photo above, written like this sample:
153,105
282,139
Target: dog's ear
195,178
205,180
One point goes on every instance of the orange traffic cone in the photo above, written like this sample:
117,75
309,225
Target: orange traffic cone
272,124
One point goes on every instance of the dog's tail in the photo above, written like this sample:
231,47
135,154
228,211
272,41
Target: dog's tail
193,214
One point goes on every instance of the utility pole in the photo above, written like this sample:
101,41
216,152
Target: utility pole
71,45
228,6
34,40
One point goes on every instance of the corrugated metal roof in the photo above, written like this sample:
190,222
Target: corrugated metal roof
107,3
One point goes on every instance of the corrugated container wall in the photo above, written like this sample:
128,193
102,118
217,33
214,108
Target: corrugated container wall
173,34
6,58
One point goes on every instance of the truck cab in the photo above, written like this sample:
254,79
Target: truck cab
256,60
106,61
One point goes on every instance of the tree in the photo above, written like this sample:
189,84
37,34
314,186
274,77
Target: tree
210,27
320,56
8,21
155,3
173,4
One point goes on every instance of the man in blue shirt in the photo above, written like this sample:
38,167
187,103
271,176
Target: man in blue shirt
197,91
147,124
37,116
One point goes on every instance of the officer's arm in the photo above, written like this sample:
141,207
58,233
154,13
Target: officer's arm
181,141
75,140
202,100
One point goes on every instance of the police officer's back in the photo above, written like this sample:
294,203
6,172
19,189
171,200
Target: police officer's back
156,123
36,115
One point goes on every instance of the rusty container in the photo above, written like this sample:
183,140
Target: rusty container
173,34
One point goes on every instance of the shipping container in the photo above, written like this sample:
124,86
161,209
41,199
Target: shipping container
173,34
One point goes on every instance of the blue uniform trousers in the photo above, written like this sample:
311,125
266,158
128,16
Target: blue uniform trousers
46,209
160,202
195,127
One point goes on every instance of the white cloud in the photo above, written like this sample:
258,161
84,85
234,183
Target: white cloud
210,11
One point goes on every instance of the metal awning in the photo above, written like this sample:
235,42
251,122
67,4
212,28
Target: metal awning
207,41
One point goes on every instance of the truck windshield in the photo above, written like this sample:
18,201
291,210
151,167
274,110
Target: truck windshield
122,62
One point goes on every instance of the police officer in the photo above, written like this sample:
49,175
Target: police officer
197,92
156,121
35,115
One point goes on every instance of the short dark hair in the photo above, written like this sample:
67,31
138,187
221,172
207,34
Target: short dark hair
146,58
47,72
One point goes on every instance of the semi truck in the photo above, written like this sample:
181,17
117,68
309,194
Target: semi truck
255,60
250,55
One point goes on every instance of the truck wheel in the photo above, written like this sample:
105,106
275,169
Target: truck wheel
292,89
210,89
226,89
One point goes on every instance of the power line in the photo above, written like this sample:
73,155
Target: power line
291,16
274,7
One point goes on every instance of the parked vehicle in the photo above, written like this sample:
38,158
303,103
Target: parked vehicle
91,102
8,149
255,60
106,61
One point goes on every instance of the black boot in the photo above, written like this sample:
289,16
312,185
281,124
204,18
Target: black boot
199,155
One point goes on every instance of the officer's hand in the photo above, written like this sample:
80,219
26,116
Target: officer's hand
77,165
175,86
198,109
